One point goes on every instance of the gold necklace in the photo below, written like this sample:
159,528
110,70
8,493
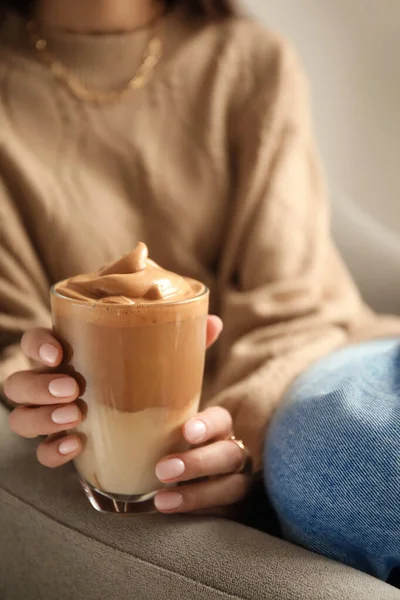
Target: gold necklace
151,58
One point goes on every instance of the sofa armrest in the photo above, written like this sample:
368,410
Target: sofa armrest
54,546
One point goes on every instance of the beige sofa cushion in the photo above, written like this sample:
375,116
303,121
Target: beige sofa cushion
54,546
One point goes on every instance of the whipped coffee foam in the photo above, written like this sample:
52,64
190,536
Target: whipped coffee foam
132,279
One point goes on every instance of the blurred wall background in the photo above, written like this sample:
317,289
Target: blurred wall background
350,49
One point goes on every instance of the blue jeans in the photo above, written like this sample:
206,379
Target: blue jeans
332,458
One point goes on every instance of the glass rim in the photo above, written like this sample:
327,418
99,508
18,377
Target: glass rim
201,294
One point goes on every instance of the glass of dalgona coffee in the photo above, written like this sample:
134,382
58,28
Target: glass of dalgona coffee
134,336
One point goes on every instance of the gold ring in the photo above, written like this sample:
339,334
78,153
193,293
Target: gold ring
247,464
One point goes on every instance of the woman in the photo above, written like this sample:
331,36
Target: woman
186,126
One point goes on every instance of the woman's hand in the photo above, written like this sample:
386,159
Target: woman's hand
218,462
47,402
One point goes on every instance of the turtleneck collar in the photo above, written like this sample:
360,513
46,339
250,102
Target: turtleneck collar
100,61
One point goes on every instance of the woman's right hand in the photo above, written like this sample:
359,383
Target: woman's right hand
46,402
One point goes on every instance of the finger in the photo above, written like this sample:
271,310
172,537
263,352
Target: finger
40,345
56,452
219,458
214,422
214,329
27,387
223,491
30,422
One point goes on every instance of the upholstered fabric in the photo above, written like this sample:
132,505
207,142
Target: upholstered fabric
54,546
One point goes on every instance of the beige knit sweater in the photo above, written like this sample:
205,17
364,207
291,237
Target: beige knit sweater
212,165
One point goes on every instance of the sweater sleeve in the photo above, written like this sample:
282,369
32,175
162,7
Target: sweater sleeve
23,284
287,298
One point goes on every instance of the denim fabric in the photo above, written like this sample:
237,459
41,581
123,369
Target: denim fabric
332,458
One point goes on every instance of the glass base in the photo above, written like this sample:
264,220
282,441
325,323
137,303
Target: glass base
116,504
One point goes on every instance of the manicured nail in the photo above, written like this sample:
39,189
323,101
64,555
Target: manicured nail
63,387
195,431
65,414
168,501
48,354
68,446
169,469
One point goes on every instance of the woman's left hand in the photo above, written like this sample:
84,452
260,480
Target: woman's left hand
214,457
